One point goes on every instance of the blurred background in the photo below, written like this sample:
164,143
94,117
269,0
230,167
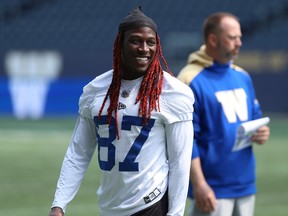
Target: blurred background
49,49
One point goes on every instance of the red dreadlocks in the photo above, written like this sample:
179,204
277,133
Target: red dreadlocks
150,88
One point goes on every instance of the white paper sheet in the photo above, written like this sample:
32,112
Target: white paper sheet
246,130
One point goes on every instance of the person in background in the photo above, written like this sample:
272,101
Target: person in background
139,117
222,180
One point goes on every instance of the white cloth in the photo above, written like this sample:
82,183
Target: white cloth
246,130
144,161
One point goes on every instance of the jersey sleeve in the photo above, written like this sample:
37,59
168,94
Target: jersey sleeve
178,100
86,100
98,85
179,148
76,162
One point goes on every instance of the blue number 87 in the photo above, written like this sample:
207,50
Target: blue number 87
129,164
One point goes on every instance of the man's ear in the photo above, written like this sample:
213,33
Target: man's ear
212,39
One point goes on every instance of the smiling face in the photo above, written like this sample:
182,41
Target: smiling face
138,50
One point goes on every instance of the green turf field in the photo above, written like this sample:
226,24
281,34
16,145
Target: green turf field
31,153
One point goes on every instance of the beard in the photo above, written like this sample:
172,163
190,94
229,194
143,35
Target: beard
228,54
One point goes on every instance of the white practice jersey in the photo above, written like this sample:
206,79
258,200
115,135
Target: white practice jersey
138,167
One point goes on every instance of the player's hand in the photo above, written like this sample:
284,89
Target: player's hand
56,211
205,197
261,135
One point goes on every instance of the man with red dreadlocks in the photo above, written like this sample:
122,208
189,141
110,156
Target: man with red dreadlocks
140,119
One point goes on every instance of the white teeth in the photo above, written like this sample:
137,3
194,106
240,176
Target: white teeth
142,58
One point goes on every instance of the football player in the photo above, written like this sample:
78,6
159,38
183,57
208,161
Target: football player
139,118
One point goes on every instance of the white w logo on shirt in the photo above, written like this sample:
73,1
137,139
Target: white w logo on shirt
234,104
